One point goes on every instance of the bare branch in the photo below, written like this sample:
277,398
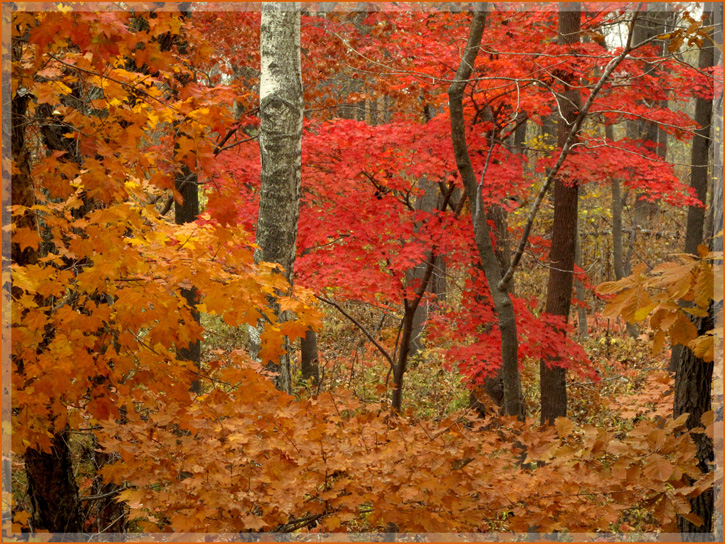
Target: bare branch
355,322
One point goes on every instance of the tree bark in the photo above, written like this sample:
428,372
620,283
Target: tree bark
409,309
619,262
693,395
309,358
280,144
513,399
580,293
700,154
52,488
564,235
187,212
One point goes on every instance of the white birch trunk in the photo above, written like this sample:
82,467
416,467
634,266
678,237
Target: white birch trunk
280,144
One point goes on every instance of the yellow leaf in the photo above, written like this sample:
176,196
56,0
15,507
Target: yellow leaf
683,331
708,418
703,347
26,237
564,426
693,518
641,314
658,341
22,517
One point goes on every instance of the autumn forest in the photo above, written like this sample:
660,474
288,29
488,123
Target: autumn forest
391,271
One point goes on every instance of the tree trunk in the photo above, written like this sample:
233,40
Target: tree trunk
580,293
563,241
520,133
22,192
409,310
717,128
309,358
186,212
693,395
280,145
619,261
513,399
52,488
700,155
428,202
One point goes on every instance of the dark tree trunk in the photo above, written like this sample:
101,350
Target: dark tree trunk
309,358
187,211
513,399
110,515
22,192
520,133
580,293
52,488
564,235
700,156
409,309
693,395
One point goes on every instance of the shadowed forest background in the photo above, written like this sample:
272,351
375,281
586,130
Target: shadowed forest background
374,268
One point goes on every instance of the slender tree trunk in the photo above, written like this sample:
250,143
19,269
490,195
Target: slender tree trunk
694,234
401,364
513,399
620,263
493,385
187,212
280,144
409,310
428,202
309,358
580,293
564,235
520,133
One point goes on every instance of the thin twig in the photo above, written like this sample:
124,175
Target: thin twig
104,495
355,322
